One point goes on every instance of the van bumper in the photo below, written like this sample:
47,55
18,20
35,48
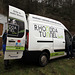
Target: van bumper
13,55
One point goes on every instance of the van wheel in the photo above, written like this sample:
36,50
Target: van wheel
43,59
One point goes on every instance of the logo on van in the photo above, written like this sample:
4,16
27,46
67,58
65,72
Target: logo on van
46,31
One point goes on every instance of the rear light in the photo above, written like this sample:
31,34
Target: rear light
27,37
18,41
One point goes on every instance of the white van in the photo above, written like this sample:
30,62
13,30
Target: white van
42,37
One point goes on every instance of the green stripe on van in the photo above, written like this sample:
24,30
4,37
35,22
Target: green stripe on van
56,54
14,48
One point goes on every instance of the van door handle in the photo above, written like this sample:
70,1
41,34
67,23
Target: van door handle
11,41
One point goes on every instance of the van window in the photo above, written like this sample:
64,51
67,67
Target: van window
15,28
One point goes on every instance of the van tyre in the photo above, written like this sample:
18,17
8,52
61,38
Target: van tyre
43,59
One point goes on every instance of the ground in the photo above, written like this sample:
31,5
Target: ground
60,66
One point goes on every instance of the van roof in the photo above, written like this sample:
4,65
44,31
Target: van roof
33,17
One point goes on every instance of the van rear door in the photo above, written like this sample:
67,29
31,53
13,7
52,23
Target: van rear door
16,33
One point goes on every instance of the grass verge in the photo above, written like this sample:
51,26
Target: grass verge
60,66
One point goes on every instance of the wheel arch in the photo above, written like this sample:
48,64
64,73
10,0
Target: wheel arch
48,52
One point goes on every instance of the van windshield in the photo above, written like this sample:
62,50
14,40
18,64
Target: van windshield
15,28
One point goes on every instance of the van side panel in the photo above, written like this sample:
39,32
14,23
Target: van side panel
59,41
39,37
46,34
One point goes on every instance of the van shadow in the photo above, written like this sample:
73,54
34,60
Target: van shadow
23,64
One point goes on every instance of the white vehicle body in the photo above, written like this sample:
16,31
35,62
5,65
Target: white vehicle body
44,35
